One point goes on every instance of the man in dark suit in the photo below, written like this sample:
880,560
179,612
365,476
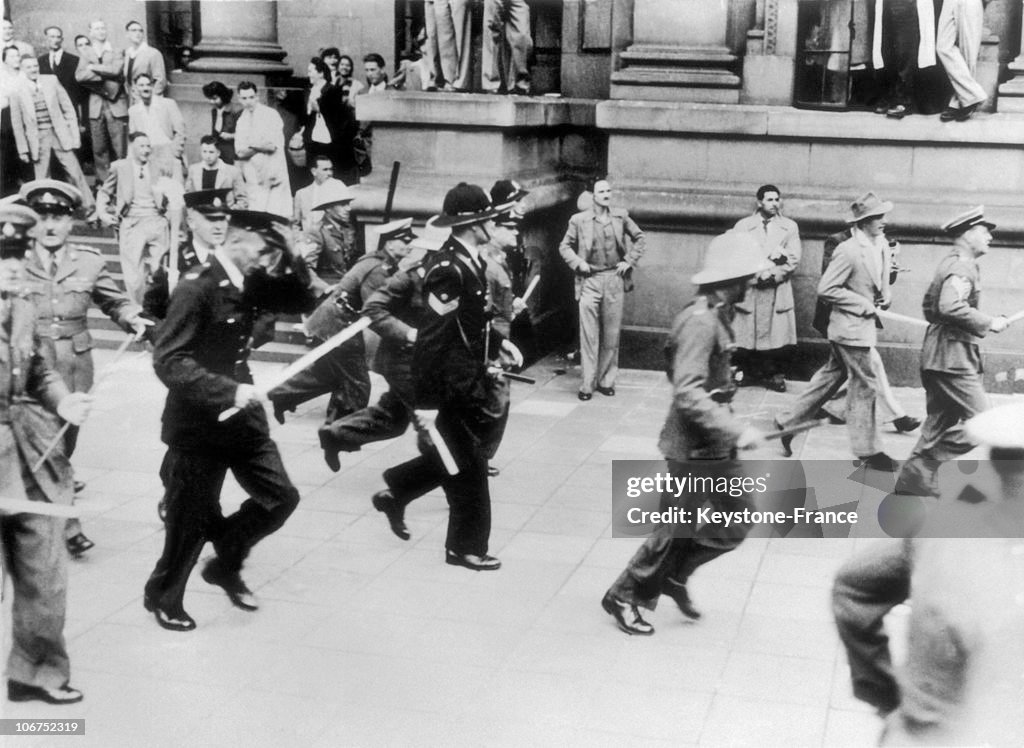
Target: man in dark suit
201,356
55,61
451,364
38,668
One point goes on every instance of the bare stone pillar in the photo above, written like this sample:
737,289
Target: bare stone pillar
679,53
1011,93
770,60
239,37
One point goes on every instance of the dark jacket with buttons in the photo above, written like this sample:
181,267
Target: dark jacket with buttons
448,358
201,353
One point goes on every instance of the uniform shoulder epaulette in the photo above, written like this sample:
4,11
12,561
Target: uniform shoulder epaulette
84,248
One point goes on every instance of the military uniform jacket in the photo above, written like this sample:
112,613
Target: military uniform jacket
343,305
330,252
448,358
62,301
29,393
396,308
201,354
697,355
956,325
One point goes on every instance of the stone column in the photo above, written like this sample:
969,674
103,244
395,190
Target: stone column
679,53
770,60
1011,93
239,37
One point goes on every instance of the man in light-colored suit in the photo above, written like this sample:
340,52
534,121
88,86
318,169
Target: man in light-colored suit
211,173
139,57
141,194
100,71
259,152
304,217
44,121
856,283
602,246
765,323
159,118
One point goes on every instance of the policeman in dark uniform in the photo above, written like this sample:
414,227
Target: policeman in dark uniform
699,426
343,371
452,373
64,281
207,219
32,545
397,310
950,358
201,355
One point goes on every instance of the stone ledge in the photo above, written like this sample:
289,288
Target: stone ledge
475,110
787,122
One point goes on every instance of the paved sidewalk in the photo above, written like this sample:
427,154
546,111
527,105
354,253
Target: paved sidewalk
365,640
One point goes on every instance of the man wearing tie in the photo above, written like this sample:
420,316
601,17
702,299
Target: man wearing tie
211,173
139,57
100,71
159,118
45,124
62,64
140,195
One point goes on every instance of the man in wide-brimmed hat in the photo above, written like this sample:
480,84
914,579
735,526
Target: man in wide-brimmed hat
950,359
700,425
452,358
856,283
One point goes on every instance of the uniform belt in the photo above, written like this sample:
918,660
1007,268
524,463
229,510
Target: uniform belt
60,328
594,271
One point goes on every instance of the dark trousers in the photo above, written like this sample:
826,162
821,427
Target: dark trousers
342,372
901,37
192,482
466,432
950,399
866,588
664,561
387,418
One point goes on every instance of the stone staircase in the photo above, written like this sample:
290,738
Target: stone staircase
286,346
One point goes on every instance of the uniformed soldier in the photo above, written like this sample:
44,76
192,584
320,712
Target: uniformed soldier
452,361
700,425
397,310
64,280
207,219
330,249
201,354
343,371
950,358
33,554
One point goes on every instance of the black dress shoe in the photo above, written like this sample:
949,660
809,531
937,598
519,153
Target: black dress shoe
472,561
330,449
584,396
786,441
78,544
965,113
880,461
65,694
606,391
385,501
626,616
239,595
898,112
903,424
949,114
181,621
776,384
79,486
279,414
681,598
493,472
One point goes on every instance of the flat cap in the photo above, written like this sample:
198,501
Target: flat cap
969,218
51,196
